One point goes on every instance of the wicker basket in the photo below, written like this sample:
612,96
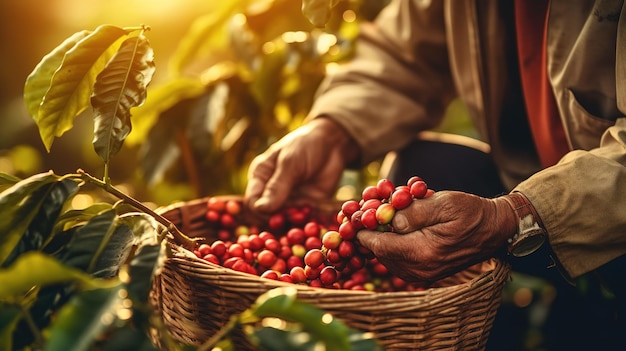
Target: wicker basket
196,298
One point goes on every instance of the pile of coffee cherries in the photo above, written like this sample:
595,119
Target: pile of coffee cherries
298,246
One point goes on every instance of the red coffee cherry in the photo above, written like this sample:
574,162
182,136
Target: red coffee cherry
370,192
314,258
401,198
385,187
418,189
369,219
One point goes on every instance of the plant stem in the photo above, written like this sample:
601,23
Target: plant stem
105,177
181,238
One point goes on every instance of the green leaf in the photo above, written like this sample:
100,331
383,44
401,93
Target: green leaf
119,87
39,231
67,224
38,269
318,11
161,98
283,303
208,34
74,218
38,81
9,317
307,327
20,204
113,253
71,84
82,320
141,271
7,181
146,258
142,225
100,247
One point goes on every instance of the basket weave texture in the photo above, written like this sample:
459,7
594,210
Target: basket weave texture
196,298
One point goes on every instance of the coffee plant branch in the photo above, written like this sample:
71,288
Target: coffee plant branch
106,185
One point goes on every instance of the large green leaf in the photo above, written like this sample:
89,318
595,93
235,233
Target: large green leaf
82,320
38,81
7,181
160,99
19,205
99,247
119,87
38,269
39,231
72,83
75,217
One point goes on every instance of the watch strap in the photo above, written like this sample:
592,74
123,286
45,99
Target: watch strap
530,233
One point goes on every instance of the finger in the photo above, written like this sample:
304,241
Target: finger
419,214
259,173
276,191
368,239
389,244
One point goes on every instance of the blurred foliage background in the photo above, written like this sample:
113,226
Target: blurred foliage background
231,78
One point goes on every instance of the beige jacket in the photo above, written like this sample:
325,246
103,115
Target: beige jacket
421,54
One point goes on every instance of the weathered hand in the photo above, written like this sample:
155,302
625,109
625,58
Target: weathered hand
442,234
307,162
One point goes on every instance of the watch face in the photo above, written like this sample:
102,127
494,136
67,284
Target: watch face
528,244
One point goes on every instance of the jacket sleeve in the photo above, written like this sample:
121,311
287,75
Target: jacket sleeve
398,82
582,203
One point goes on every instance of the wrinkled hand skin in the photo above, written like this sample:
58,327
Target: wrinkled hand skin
308,162
441,235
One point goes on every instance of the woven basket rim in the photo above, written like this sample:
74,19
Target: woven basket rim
488,267
182,253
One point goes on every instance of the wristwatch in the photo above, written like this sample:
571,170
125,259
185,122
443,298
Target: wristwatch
530,234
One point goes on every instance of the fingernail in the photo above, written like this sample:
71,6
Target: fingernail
260,203
263,204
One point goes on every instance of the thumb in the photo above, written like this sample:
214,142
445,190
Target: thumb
418,215
385,244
